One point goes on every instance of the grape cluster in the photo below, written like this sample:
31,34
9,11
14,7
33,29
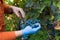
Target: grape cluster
30,22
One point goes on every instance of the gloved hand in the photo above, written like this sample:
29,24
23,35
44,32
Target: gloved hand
29,30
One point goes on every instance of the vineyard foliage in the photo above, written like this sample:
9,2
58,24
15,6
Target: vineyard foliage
33,10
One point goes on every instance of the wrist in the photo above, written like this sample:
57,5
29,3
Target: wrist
10,9
18,33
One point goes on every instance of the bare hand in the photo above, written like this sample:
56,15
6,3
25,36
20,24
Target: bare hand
18,11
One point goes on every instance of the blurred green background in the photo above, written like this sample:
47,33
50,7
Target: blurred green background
32,9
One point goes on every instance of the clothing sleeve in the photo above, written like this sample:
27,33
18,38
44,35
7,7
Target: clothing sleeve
7,9
7,36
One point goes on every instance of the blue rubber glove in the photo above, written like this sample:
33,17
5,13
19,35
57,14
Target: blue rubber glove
29,30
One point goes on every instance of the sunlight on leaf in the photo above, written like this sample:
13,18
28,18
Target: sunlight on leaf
9,18
11,0
20,0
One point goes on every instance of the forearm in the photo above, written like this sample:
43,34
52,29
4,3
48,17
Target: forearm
7,9
7,35
10,35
